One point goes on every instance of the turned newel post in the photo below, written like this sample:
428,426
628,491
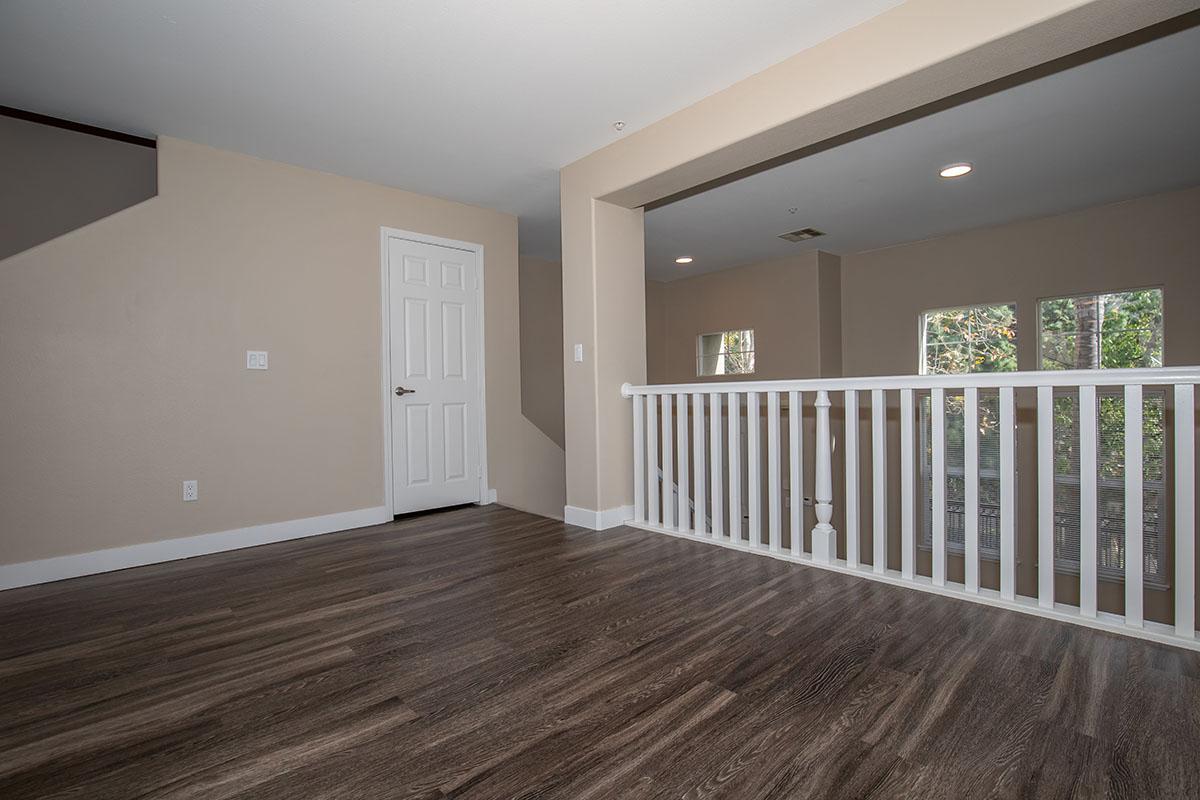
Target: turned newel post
824,537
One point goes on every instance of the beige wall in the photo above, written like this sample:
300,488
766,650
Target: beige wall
55,180
657,367
541,346
829,280
122,354
919,52
542,378
780,300
1151,241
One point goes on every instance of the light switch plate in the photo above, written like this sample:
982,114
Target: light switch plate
256,359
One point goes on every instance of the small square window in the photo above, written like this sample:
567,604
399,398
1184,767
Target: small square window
725,353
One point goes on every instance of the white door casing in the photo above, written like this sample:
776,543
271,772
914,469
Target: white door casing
435,449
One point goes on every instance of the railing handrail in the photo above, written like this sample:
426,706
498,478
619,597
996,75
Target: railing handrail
1156,376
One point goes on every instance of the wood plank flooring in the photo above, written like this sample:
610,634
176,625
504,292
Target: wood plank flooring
488,653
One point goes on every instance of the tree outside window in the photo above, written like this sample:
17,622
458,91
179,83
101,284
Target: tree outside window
959,341
725,353
1103,331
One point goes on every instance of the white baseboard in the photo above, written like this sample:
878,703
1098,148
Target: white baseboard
597,520
46,570
489,497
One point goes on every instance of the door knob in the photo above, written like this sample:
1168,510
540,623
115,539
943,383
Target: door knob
401,391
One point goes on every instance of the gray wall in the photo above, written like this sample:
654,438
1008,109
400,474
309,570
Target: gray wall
56,180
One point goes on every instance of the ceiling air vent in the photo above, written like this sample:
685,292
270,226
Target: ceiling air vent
802,235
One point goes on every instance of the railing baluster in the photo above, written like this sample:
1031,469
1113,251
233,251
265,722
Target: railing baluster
735,467
699,500
1185,510
908,552
1133,505
796,470
639,459
774,483
668,470
1008,496
937,406
879,517
1045,495
754,468
971,476
851,456
682,517
652,459
1088,474
715,462
824,537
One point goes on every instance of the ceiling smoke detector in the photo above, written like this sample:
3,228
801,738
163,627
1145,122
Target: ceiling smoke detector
619,125
802,235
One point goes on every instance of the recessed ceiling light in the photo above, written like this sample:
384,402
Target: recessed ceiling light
955,170
683,260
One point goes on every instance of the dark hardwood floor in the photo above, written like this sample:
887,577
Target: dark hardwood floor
487,653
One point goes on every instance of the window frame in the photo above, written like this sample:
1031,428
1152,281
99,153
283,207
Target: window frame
1076,295
700,351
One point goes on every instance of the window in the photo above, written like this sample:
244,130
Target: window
956,341
725,353
960,341
1106,331
1102,331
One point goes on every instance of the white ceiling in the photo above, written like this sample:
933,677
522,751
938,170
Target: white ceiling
1119,127
471,100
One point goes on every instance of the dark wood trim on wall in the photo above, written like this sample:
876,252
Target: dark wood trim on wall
78,127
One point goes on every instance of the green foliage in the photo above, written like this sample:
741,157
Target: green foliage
726,353
1127,332
975,339
738,347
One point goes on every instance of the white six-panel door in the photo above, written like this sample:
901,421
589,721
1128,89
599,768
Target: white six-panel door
433,297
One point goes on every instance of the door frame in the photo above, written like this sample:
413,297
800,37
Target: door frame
486,495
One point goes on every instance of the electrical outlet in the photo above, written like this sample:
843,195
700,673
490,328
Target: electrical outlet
191,491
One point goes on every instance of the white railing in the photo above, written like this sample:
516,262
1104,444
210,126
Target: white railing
753,497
